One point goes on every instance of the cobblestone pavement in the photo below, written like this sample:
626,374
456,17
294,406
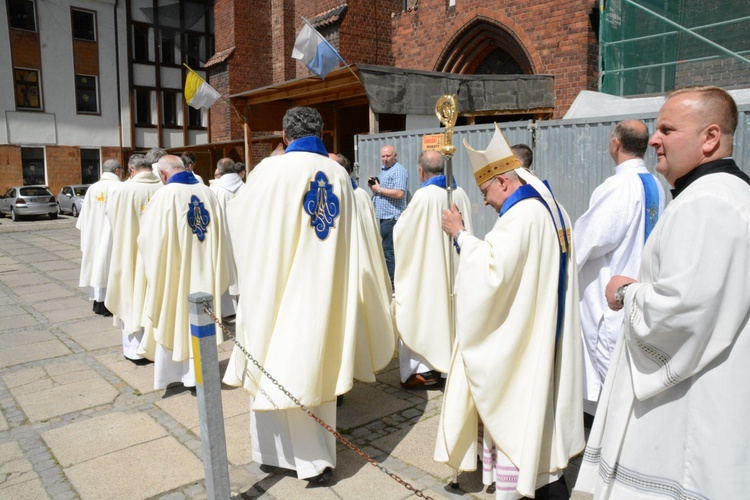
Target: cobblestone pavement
80,421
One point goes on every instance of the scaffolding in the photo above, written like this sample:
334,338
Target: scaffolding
653,46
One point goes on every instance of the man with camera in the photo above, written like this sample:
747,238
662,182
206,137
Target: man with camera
389,197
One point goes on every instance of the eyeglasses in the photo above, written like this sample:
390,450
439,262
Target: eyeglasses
484,191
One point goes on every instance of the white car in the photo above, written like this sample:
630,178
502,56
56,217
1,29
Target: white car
70,198
20,201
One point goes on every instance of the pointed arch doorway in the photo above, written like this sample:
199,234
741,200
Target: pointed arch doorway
484,47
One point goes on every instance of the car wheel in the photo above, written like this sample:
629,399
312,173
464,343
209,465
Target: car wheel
74,211
13,215
53,215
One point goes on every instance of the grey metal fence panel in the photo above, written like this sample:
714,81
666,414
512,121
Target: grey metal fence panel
572,155
408,145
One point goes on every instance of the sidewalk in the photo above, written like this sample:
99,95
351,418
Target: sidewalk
80,421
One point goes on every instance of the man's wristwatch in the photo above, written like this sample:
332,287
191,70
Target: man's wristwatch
620,293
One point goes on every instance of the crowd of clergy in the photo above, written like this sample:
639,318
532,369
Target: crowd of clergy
634,318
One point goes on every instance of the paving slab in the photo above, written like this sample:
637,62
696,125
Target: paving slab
17,476
23,277
95,437
237,432
15,322
366,403
139,377
56,264
64,315
357,478
92,331
26,346
63,304
183,407
39,293
141,471
85,389
415,445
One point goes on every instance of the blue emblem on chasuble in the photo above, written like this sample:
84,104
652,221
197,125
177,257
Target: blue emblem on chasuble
321,205
198,217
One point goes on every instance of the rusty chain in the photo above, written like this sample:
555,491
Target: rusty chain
320,422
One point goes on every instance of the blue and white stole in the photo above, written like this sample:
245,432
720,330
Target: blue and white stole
652,202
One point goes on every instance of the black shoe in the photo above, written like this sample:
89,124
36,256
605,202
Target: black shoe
322,479
339,400
140,361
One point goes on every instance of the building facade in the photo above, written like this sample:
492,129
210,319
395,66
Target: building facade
83,81
86,80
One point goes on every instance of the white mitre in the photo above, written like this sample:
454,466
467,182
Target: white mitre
495,160
498,159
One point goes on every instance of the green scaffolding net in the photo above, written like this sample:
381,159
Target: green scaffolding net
653,46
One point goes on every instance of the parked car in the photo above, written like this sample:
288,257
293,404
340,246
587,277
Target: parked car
20,201
70,198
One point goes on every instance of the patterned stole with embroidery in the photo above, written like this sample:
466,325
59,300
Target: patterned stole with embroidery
652,202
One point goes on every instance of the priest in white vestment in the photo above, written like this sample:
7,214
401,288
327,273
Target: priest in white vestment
96,235
609,239
422,281
127,279
181,242
376,332
226,187
672,418
298,274
516,367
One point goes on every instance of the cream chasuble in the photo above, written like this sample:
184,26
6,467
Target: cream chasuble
525,387
226,188
96,233
673,416
182,245
421,301
376,333
127,280
298,275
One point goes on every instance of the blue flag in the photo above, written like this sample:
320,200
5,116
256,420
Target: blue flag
315,51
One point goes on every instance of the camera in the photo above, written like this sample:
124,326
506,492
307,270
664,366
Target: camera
372,181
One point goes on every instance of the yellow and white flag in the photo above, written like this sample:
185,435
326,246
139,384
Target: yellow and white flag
198,93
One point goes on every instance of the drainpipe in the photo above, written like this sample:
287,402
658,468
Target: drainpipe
117,72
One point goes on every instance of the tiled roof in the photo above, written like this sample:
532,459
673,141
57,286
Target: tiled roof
219,57
329,17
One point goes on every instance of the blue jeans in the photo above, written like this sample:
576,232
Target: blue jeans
386,232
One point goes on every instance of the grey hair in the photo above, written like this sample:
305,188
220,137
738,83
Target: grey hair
431,162
111,165
138,161
225,166
135,158
302,122
155,154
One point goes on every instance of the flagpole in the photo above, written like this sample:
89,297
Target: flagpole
347,65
